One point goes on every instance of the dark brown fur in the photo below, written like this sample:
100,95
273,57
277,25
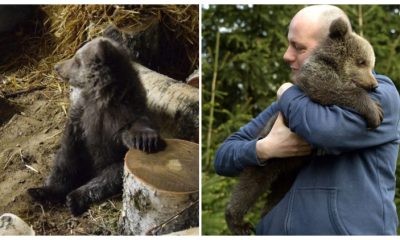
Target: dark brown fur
107,116
337,73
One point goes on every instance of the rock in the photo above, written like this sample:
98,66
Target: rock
11,224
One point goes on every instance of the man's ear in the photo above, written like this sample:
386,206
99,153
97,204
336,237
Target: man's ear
338,29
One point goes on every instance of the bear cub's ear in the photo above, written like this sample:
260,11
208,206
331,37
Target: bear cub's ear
104,51
338,29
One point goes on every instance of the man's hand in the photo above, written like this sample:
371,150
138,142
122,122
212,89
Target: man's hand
281,143
282,89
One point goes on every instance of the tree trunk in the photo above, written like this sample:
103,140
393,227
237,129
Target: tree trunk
212,102
161,190
173,105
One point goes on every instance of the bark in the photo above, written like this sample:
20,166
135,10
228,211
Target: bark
173,105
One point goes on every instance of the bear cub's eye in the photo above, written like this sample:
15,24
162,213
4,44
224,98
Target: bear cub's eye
97,60
361,62
77,62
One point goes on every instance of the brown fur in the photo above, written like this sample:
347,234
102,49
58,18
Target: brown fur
339,73
108,115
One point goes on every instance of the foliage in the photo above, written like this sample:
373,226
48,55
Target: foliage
212,185
252,43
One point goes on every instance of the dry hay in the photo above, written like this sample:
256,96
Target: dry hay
60,30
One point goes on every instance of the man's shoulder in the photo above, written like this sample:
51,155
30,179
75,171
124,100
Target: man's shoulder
383,79
387,95
385,84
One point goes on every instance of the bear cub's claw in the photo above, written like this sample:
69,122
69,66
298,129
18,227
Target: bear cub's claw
143,137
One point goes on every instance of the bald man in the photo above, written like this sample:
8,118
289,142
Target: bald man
348,190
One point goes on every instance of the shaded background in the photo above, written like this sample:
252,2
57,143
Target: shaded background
249,42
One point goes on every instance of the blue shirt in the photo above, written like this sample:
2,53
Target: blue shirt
350,189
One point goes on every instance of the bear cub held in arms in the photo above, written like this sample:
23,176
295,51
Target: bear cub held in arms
338,72
107,116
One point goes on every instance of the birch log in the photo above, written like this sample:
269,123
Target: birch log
188,232
161,190
173,105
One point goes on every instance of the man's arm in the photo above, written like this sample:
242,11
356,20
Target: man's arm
338,130
281,143
239,150
243,149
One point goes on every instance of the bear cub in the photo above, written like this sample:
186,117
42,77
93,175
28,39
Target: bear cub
107,116
338,72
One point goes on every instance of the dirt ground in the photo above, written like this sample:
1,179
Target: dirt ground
29,139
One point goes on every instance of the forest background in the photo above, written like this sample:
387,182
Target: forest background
242,67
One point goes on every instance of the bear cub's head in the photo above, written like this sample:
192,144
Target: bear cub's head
95,65
353,54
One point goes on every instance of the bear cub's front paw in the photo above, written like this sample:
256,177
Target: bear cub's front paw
143,137
375,118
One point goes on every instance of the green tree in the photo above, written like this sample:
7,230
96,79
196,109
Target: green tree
250,68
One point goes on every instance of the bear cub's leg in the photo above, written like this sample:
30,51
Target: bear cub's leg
107,184
253,182
70,170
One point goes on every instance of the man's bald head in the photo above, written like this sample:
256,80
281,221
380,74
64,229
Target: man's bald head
319,18
306,31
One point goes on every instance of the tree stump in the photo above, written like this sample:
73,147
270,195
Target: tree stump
188,232
161,190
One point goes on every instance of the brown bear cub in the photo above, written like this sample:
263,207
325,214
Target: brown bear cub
338,72
107,116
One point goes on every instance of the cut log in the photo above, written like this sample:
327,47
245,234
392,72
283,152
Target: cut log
161,190
188,232
172,104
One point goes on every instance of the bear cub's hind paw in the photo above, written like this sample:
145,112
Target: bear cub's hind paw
45,195
76,203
